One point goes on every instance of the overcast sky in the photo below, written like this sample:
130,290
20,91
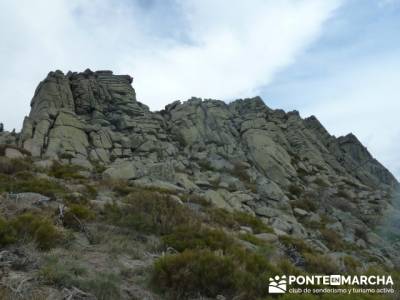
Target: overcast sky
336,59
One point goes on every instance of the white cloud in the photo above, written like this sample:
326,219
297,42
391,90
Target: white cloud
237,47
219,49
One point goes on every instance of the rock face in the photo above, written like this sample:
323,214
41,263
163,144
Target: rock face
240,156
94,116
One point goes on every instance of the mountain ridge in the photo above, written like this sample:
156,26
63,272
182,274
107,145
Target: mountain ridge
90,95
318,195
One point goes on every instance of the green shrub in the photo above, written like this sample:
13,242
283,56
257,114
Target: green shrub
252,239
11,166
30,184
36,228
222,217
120,187
245,219
199,271
65,171
297,244
69,273
103,286
193,273
236,219
77,211
61,273
253,272
149,212
91,191
351,264
98,167
7,233
333,239
238,272
287,267
320,264
344,205
305,203
198,237
241,173
123,188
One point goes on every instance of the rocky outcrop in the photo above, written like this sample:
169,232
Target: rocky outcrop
243,156
94,116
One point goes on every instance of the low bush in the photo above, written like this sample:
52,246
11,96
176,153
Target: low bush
237,272
287,267
29,227
222,217
124,188
68,273
195,272
198,237
252,239
344,205
91,191
36,228
120,187
77,212
30,184
149,212
7,233
65,171
320,264
245,219
333,239
240,172
103,286
295,190
60,272
351,264
236,219
305,203
298,244
11,166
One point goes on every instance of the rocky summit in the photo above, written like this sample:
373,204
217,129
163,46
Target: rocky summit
259,177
